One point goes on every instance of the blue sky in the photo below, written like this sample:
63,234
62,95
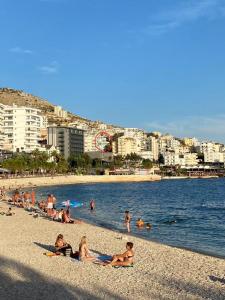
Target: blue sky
157,65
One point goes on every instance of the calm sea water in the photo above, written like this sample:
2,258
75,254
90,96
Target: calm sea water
197,206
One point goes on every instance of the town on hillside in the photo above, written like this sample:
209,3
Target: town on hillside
37,137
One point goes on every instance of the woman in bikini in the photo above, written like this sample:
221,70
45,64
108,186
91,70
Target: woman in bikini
61,245
125,259
84,254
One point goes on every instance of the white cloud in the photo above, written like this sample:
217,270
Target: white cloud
52,68
203,127
188,11
20,50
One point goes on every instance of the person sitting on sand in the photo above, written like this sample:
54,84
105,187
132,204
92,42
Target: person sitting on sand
9,212
125,259
66,217
60,215
84,254
61,245
140,223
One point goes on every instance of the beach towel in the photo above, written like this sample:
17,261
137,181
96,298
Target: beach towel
50,254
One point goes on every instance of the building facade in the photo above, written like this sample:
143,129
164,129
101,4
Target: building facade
22,127
68,140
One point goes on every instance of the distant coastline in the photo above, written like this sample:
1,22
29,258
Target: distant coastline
189,177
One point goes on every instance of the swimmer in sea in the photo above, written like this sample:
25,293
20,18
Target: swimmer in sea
140,223
148,226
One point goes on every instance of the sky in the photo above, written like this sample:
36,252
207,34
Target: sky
158,65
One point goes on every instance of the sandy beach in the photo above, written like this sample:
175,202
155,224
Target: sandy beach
73,179
160,272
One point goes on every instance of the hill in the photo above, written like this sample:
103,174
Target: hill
10,96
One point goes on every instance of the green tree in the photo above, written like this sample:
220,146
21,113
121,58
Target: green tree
147,164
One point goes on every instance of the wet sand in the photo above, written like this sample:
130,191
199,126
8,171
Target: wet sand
160,272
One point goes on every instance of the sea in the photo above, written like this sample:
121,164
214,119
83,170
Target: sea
186,213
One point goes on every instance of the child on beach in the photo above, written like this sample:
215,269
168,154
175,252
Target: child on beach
124,259
84,254
127,220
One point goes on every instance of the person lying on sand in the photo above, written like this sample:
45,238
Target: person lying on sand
84,254
61,245
124,259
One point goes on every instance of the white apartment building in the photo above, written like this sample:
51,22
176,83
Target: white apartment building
126,145
214,157
186,159
60,112
153,146
210,146
2,140
22,128
146,155
164,143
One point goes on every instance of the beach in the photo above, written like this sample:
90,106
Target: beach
159,272
73,179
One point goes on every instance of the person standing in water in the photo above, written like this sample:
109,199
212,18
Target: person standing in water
92,204
127,220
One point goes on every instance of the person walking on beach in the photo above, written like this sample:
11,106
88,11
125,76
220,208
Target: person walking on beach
33,197
49,205
53,200
26,197
127,220
92,204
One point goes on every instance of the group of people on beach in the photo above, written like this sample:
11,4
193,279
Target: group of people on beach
27,200
83,254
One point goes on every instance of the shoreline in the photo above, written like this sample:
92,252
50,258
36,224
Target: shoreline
160,271
24,182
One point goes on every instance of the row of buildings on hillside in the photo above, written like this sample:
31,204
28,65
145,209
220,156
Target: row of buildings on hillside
24,129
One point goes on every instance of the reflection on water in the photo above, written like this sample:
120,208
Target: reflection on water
184,213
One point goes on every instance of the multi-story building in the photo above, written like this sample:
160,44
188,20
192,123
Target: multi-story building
68,140
187,159
126,145
2,139
214,157
60,112
153,146
22,127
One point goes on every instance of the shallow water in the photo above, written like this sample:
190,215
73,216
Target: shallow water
196,205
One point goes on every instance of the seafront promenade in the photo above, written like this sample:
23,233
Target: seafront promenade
73,179
159,272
